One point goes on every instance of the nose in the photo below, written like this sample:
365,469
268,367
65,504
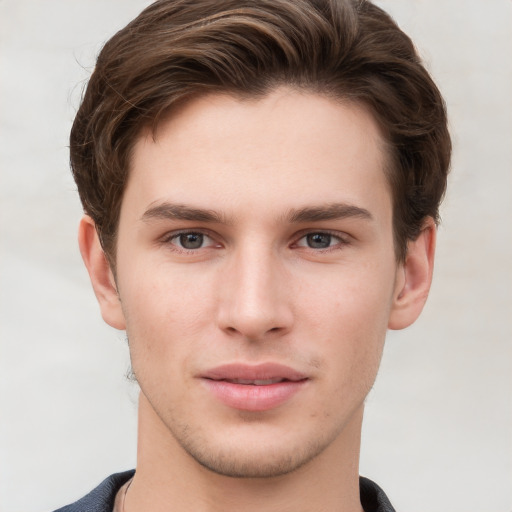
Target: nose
255,299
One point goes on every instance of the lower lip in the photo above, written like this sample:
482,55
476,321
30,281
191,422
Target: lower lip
246,397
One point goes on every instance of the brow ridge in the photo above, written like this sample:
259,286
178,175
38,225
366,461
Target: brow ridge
331,211
171,211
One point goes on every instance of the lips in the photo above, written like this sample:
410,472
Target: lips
253,387
255,382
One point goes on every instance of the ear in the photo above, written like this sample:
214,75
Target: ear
101,275
414,277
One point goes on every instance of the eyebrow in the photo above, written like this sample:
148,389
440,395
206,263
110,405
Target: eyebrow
332,211
170,211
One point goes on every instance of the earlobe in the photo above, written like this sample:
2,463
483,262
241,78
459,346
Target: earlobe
100,273
414,278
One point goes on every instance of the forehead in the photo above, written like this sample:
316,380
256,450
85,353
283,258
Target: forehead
287,149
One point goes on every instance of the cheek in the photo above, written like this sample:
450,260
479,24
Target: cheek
164,310
348,316
350,299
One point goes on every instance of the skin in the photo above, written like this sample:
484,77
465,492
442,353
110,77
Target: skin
296,267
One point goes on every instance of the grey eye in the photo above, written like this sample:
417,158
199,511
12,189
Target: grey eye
191,240
319,240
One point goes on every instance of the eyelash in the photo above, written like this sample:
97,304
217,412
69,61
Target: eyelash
168,239
342,240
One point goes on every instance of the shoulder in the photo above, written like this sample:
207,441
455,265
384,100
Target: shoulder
373,498
100,499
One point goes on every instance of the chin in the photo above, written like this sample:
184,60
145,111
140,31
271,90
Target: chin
245,466
253,457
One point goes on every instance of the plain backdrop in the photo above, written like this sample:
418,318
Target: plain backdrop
438,425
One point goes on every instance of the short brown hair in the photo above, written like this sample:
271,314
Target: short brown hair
175,49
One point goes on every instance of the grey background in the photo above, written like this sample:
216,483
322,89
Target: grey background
438,424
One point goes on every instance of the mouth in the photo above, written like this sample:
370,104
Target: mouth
253,388
259,375
255,382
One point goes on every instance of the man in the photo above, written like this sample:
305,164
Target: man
261,183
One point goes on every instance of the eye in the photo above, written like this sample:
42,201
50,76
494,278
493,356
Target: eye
320,240
191,240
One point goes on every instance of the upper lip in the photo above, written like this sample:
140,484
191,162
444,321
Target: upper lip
265,371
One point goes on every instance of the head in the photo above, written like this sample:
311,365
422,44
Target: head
344,49
261,182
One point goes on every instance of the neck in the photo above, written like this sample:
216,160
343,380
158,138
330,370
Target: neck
168,478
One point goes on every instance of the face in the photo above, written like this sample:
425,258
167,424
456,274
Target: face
256,274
